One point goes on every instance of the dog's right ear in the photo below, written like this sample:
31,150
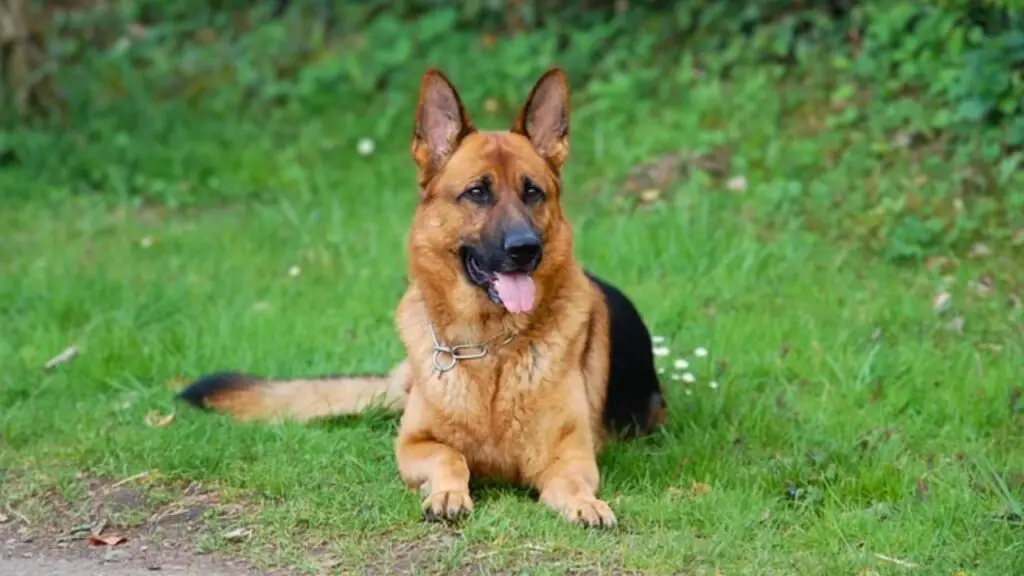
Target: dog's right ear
441,123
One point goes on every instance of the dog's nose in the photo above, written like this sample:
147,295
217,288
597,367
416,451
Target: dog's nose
522,246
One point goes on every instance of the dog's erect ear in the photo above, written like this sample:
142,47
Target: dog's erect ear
441,123
544,118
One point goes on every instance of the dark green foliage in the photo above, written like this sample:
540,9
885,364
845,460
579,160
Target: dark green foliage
939,83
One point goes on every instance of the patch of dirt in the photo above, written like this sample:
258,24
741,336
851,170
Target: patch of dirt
160,529
653,181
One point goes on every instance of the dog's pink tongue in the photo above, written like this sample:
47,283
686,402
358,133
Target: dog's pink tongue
516,291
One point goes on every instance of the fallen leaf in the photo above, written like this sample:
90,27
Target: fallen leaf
942,301
984,285
66,355
940,263
95,540
237,535
956,324
979,250
175,384
137,31
650,195
922,488
699,489
737,184
157,420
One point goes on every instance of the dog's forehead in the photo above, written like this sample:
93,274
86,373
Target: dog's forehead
505,156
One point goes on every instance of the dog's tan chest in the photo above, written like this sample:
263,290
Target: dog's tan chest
502,427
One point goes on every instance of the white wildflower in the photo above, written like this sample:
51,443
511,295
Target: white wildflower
700,352
713,385
658,339
689,378
365,146
294,271
681,364
660,351
146,241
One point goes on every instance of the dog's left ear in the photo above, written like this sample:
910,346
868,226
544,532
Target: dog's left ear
544,118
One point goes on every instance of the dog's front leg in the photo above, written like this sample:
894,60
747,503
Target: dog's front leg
439,472
569,483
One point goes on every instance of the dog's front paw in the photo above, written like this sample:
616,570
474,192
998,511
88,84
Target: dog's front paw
452,505
587,511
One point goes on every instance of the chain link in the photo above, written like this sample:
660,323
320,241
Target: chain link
446,357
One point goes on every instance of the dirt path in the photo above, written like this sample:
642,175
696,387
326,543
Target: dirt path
52,537
25,555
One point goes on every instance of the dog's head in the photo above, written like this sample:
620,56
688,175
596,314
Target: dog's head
489,223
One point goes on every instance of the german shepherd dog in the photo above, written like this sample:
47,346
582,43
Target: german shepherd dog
520,364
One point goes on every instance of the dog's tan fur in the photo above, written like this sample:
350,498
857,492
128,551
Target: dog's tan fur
530,410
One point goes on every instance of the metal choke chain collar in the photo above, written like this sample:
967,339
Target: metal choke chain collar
446,357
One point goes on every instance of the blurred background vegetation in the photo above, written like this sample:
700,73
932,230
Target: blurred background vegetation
87,83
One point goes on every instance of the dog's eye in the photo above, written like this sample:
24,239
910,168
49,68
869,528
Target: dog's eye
478,194
532,193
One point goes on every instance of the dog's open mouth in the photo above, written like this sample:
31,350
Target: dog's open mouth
513,290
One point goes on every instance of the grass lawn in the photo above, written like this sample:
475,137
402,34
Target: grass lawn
844,421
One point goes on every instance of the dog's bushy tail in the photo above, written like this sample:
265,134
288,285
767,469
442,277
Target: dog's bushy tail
249,398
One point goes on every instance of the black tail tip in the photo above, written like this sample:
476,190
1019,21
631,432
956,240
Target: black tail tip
210,385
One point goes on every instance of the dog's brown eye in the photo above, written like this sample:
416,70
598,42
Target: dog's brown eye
478,194
532,193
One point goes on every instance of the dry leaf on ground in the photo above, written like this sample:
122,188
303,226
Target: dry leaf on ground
157,420
105,540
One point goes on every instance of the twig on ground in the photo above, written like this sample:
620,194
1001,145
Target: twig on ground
67,355
14,512
124,481
896,561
